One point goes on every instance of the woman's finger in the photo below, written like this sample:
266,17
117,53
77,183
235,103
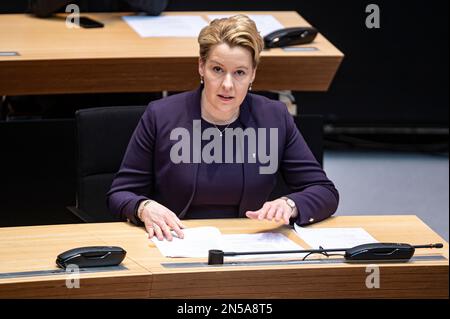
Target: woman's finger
178,221
148,228
150,232
271,212
166,231
252,214
263,211
173,225
279,213
158,232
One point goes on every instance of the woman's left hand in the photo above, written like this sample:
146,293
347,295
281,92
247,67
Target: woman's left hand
277,209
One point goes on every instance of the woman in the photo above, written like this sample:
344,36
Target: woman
214,152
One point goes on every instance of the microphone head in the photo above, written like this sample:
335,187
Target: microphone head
215,257
438,245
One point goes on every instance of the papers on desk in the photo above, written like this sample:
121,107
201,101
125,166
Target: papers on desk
334,237
265,23
199,240
196,243
190,26
166,26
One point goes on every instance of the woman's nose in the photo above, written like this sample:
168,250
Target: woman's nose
227,82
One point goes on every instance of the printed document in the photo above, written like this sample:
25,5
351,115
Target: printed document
166,26
334,237
198,241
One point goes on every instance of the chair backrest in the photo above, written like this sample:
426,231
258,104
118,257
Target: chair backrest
103,134
311,127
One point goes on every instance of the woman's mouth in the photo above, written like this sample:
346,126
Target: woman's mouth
225,98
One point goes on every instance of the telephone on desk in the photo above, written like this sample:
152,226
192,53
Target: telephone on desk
290,36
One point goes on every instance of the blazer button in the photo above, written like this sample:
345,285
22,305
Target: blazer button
311,220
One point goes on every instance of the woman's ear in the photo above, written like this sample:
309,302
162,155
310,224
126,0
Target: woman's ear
254,75
201,67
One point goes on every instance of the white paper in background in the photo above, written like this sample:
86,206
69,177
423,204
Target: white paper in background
197,242
334,237
259,242
166,26
265,23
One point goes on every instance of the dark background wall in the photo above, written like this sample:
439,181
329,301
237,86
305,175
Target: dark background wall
396,75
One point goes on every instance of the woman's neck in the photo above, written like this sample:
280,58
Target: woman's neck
217,118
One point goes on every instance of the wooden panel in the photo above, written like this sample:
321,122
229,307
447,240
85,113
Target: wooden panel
330,282
97,287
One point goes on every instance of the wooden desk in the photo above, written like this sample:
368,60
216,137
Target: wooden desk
35,248
55,59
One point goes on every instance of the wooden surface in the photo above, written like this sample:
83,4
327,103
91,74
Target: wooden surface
36,248
56,59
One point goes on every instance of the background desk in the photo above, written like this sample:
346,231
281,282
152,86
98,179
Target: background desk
35,248
55,59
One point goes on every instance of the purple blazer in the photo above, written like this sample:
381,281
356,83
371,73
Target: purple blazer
148,172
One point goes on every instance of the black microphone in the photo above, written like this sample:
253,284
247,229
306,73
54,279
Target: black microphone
365,252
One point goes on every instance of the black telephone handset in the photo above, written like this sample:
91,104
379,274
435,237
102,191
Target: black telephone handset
88,23
92,256
290,36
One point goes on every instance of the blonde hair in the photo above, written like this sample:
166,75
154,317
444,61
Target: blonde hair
237,30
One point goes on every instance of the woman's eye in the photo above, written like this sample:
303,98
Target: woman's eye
240,72
217,69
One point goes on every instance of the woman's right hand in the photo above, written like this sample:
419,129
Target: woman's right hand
160,221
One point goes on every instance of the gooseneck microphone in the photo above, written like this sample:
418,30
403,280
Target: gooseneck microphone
365,252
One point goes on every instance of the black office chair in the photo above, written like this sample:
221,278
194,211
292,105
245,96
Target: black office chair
103,134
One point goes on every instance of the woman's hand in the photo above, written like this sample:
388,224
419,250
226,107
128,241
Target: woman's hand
277,209
159,221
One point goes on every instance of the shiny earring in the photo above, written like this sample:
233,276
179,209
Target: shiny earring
202,80
250,87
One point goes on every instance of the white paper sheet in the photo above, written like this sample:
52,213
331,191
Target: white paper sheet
196,243
334,237
265,23
199,240
166,26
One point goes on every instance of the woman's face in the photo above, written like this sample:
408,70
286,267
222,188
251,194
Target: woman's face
227,75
